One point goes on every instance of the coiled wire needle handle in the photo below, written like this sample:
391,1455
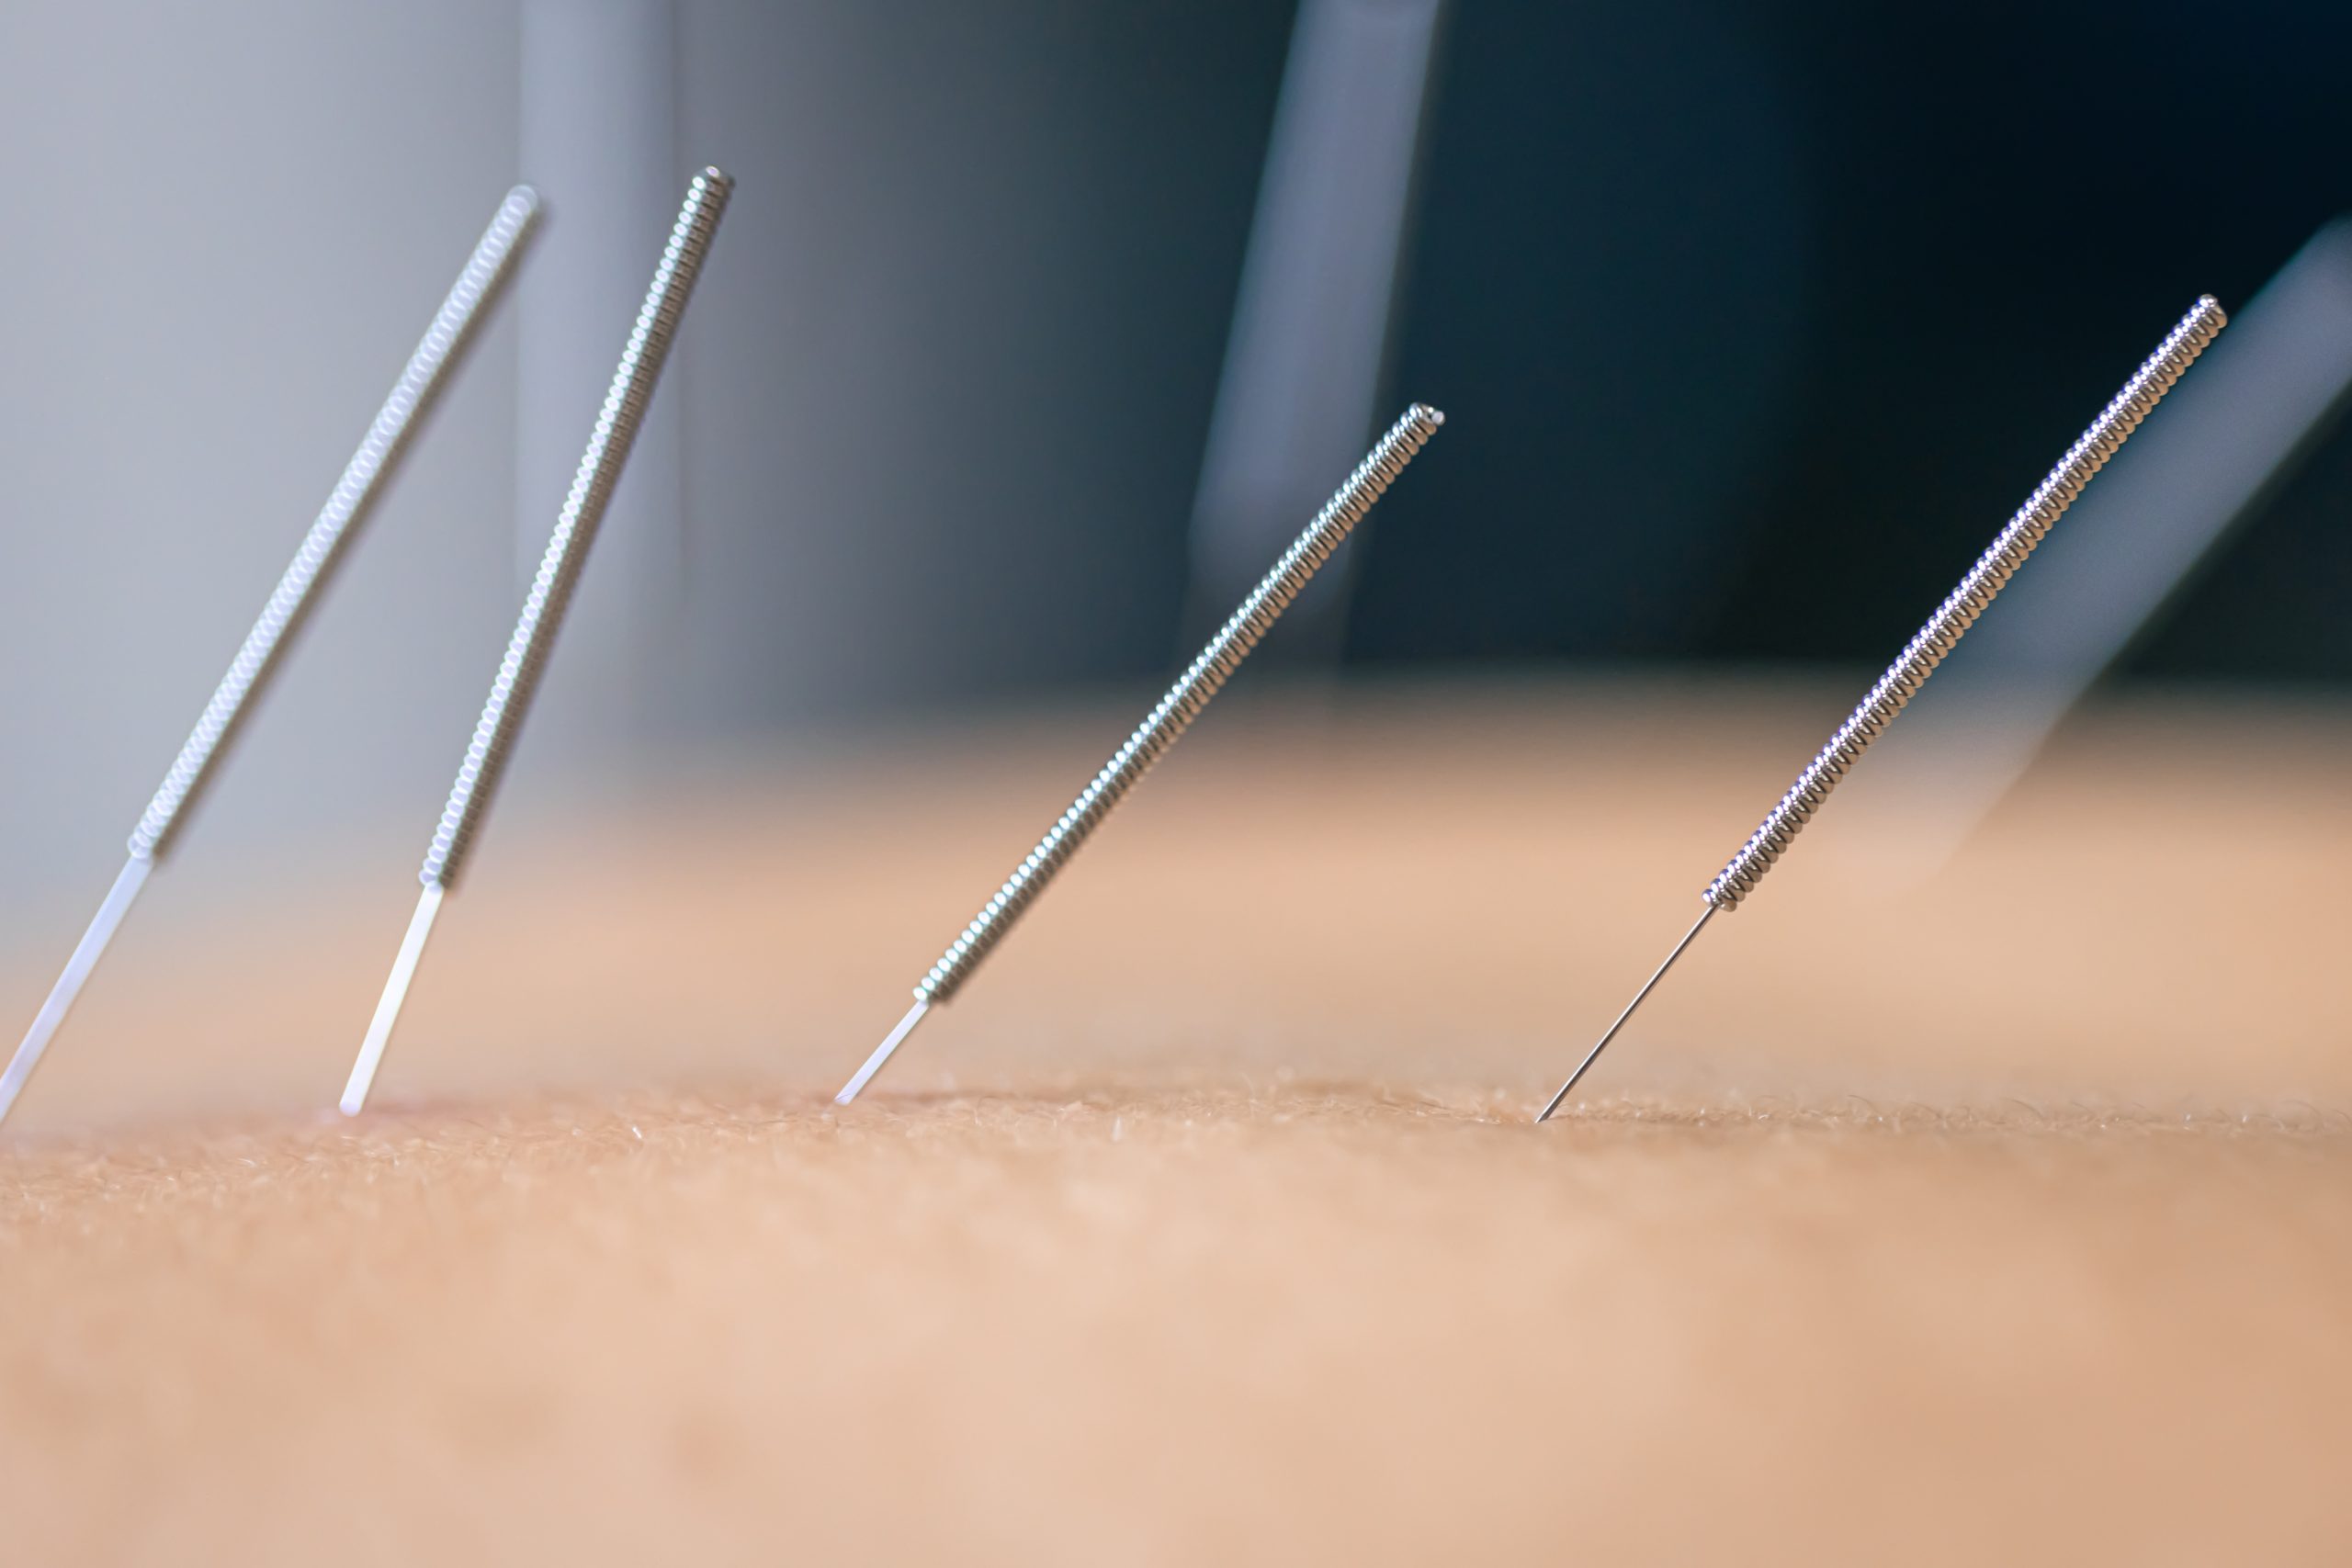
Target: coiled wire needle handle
1175,713
1918,660
363,479
551,596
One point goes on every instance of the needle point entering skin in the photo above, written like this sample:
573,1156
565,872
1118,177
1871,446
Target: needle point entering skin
627,398
1166,723
1879,707
387,1007
1594,1055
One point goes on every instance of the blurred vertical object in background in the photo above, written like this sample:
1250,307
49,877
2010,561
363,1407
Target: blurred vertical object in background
1615,287
2231,437
945,450
1311,324
598,121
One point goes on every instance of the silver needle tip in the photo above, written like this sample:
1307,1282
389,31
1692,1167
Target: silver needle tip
387,1007
897,1038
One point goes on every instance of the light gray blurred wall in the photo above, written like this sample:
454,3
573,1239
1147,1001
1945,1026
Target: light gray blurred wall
943,393
597,105
226,227
977,279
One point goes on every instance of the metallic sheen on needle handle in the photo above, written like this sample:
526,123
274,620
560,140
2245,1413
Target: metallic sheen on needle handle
1991,573
1161,726
575,529
379,453
1918,660
1184,700
543,608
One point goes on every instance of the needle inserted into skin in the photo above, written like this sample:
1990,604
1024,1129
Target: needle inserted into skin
363,480
543,610
1919,660
1648,987
388,1005
1174,715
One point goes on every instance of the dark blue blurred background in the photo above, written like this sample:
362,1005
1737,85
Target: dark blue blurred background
1761,319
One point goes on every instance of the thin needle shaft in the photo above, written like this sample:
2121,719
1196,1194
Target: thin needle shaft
388,1005
1594,1055
1165,724
421,380
529,646
87,952
882,1052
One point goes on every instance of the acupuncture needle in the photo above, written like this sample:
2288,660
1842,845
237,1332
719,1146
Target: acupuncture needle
1919,657
1173,715
364,477
551,596
2264,399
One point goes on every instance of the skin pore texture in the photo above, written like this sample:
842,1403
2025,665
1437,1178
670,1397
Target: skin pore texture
2007,1213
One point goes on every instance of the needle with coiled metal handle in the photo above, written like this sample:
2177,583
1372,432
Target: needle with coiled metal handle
1161,726
543,608
1999,562
363,479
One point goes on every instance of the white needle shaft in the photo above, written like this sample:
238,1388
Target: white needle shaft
388,1005
882,1051
119,900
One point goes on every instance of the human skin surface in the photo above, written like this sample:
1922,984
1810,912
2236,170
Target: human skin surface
2008,1215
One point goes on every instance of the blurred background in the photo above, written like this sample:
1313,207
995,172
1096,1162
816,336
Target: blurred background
1036,328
